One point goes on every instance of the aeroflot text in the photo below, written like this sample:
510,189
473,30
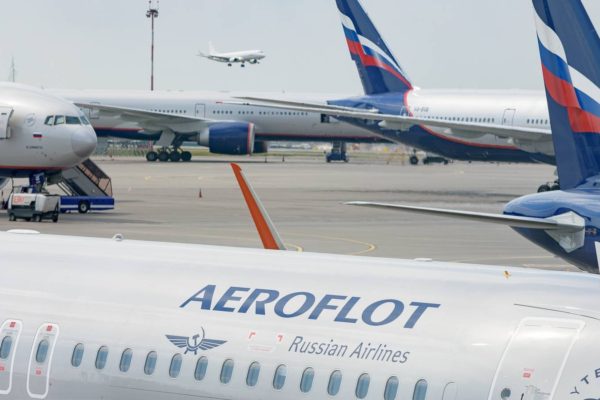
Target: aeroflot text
338,308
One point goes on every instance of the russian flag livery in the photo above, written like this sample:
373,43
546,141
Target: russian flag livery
378,69
570,54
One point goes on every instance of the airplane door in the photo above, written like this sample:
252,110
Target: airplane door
509,116
200,110
5,114
10,332
534,359
40,361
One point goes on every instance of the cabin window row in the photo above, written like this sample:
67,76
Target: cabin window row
227,369
459,119
537,121
291,113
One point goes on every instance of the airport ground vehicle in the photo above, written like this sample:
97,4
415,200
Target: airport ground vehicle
426,158
83,204
25,203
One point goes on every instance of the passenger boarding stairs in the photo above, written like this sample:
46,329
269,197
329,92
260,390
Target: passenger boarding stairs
86,179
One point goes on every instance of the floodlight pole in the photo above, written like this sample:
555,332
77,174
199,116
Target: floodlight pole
152,13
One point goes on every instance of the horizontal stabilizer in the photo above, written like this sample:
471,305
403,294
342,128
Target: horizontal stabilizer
548,224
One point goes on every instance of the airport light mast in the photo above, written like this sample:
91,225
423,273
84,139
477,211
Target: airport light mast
152,13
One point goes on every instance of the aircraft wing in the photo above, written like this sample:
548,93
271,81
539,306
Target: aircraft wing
403,122
151,120
564,222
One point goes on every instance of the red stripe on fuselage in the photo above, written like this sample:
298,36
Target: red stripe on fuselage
564,94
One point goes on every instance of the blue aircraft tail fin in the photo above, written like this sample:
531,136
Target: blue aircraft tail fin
570,54
377,67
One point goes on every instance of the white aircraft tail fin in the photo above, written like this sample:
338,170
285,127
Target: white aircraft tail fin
266,230
211,48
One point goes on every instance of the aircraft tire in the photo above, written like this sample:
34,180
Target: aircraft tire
151,156
414,160
163,156
175,156
186,156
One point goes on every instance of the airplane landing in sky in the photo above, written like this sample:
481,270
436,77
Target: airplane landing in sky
242,57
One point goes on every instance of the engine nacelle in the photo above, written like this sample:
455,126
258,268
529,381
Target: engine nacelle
233,138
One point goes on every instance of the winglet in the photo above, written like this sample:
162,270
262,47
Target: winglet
266,230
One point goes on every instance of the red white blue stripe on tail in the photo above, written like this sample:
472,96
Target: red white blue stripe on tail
378,69
570,54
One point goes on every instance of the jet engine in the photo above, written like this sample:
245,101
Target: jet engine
233,138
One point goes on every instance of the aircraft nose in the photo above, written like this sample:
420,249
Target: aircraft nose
84,141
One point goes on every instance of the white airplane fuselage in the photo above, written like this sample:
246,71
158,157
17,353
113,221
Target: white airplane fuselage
516,108
469,332
32,145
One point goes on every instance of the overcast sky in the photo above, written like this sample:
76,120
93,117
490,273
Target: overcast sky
104,44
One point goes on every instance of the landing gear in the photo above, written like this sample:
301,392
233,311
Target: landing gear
151,156
414,160
229,64
163,156
549,187
173,155
338,153
243,65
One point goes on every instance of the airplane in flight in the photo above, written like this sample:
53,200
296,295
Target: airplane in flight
242,57
103,318
564,222
40,133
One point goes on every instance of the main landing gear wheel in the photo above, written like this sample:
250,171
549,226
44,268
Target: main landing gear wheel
163,156
175,156
414,160
151,156
186,156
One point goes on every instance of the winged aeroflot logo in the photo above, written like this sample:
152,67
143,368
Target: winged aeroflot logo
193,345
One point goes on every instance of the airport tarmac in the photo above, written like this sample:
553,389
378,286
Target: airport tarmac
199,202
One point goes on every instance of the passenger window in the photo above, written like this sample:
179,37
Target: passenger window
391,389
150,364
253,373
226,371
279,378
200,370
5,347
362,386
306,382
49,120
420,390
59,119
335,381
101,357
77,356
73,120
42,351
175,367
125,362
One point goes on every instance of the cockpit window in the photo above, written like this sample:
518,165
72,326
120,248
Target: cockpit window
49,120
59,119
73,120
84,120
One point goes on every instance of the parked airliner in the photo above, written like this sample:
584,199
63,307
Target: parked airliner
497,125
172,117
565,222
242,57
40,133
